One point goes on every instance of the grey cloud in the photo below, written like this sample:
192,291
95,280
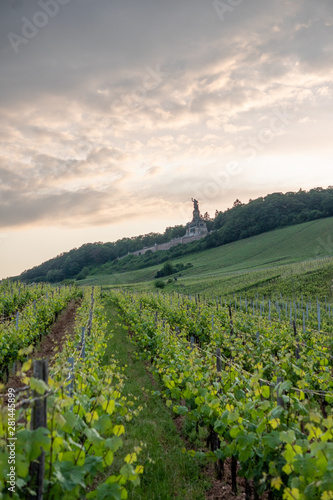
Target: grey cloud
153,171
304,35
191,32
105,154
8,179
67,104
93,43
80,208
47,168
84,205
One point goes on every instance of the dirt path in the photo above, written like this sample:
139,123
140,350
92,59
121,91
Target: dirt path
63,326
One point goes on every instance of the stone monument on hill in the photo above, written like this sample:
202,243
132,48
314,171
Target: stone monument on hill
197,226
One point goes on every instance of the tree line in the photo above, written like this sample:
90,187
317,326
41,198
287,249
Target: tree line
77,263
263,214
274,211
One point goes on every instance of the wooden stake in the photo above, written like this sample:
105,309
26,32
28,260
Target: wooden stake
38,419
279,398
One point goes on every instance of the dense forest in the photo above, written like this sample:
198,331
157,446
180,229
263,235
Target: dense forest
241,221
77,262
271,212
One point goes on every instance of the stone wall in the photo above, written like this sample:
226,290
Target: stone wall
169,244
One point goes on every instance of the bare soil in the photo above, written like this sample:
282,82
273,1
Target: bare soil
51,343
221,489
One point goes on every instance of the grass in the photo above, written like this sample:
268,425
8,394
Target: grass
281,254
168,472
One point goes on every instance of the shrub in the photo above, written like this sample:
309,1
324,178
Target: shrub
159,284
169,268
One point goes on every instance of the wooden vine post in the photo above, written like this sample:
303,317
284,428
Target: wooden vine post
215,441
70,378
233,458
38,419
279,398
218,365
82,344
90,320
192,343
231,322
297,340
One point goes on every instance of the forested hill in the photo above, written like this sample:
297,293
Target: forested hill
241,221
271,212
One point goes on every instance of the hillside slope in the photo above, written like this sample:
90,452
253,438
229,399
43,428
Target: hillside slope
282,253
276,210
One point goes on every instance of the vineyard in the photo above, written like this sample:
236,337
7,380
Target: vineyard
262,390
250,378
36,308
85,414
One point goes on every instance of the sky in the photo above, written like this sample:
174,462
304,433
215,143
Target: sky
115,113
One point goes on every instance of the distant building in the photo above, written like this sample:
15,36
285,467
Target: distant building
195,230
197,226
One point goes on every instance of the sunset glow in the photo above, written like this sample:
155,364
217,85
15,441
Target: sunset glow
114,114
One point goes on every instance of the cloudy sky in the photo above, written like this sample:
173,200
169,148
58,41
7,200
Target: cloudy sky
114,113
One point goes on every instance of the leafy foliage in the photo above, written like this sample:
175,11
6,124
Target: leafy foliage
15,295
33,321
85,428
159,284
169,269
285,448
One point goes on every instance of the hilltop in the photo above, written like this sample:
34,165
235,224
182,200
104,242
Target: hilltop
240,222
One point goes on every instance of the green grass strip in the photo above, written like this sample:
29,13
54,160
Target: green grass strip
168,472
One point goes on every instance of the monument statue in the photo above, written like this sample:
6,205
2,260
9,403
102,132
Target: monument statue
196,204
197,227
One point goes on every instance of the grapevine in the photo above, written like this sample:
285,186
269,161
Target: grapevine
85,427
286,448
